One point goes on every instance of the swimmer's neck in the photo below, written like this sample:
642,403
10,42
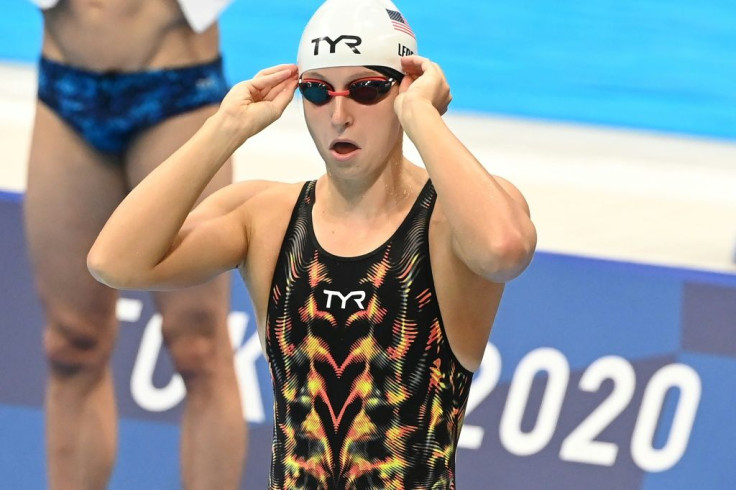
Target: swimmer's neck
366,198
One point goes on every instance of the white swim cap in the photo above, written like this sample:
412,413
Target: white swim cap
356,33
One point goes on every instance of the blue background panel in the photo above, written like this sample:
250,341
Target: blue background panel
616,309
22,463
584,309
709,317
712,449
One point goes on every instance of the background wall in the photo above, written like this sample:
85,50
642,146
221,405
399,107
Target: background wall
599,374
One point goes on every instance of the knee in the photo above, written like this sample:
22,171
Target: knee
194,338
78,344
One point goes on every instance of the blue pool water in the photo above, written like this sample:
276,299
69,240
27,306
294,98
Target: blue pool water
663,65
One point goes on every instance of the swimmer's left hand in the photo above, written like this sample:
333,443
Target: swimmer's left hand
424,82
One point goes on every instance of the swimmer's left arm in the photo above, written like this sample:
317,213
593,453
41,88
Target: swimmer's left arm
491,229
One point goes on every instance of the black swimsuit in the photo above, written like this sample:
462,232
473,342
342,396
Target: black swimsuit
367,391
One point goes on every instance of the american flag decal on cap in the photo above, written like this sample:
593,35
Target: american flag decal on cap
399,22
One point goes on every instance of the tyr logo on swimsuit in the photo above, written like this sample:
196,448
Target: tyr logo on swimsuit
344,299
351,41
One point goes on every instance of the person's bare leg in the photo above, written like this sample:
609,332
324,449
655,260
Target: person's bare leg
71,191
213,431
213,437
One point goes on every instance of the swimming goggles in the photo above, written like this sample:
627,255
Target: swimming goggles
366,91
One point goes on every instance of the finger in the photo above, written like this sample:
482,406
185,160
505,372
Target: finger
288,86
414,65
283,72
284,96
414,59
274,69
274,93
267,81
406,83
438,69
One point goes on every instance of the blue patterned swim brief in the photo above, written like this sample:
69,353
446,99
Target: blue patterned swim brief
109,108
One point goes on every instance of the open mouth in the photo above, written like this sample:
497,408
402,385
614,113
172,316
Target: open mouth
343,147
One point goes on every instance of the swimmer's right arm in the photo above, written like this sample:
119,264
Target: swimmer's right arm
154,240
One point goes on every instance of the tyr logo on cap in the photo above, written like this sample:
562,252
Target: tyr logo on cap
351,41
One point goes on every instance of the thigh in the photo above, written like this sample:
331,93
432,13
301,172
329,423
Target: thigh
153,145
71,191
148,150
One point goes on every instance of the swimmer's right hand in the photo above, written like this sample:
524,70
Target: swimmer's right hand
252,105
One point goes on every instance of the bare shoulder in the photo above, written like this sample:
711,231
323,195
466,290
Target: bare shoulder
230,197
267,215
268,195
249,200
268,206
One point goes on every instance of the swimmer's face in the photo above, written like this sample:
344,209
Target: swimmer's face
353,134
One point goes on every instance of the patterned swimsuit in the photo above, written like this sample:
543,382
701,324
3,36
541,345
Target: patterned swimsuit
367,392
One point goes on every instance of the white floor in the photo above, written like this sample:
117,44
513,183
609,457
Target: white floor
596,192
